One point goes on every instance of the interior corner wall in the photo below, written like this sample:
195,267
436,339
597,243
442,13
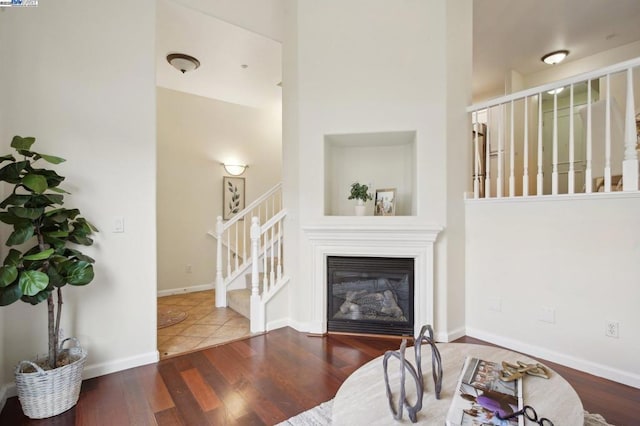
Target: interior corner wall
196,135
364,66
577,258
79,76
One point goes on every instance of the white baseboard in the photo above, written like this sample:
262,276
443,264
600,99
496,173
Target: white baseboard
600,370
184,290
273,325
101,369
449,336
5,393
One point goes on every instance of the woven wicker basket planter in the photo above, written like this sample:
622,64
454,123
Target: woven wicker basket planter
46,393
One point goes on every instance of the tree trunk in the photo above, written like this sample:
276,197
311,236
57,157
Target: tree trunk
52,337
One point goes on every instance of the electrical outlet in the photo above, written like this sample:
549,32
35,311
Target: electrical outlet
612,329
547,315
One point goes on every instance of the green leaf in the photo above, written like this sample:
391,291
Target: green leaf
10,294
77,254
11,172
33,282
40,256
40,297
11,219
55,278
56,234
59,190
13,258
8,274
49,158
55,198
26,213
7,157
22,233
15,200
22,144
36,183
78,272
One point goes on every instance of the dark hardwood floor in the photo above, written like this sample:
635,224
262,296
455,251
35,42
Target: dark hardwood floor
264,380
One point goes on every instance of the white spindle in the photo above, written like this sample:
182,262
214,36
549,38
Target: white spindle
588,175
487,165
607,138
280,250
235,249
525,175
272,269
539,175
228,234
221,293
265,270
630,163
554,173
499,181
572,179
245,241
512,178
476,159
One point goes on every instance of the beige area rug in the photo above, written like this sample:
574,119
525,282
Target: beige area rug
170,315
321,416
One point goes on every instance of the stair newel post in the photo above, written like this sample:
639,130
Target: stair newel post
221,291
257,312
630,162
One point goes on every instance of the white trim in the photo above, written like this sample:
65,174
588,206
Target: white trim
601,370
450,336
6,391
279,323
114,366
554,198
183,290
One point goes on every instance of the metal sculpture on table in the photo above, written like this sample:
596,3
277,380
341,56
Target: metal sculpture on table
412,410
436,360
436,366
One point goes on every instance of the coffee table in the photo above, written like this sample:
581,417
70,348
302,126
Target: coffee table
362,399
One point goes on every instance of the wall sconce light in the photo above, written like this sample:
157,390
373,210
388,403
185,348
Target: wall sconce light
235,169
182,62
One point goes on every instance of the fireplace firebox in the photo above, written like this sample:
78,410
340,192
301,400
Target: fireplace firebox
372,295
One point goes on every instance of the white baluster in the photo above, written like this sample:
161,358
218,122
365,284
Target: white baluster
588,176
525,175
487,166
539,175
630,163
512,178
272,270
228,234
607,139
257,311
221,291
280,250
554,173
572,178
245,240
476,160
499,180
235,250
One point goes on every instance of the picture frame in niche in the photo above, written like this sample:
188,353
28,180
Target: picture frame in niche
385,202
233,195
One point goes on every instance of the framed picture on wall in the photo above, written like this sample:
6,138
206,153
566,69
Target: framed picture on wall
385,202
232,196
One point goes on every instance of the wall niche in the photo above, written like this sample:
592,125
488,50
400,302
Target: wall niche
380,160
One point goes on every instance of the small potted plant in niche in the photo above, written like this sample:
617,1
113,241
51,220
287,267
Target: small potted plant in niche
361,194
45,233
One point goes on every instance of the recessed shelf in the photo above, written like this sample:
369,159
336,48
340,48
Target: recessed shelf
380,160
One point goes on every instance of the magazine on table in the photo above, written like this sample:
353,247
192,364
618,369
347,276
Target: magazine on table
480,394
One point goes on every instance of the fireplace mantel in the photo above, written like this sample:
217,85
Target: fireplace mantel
375,240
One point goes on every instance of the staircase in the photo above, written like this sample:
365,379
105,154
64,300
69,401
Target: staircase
248,258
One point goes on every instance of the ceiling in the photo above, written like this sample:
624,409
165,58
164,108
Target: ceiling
507,35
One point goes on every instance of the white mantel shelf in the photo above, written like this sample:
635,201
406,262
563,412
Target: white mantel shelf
372,240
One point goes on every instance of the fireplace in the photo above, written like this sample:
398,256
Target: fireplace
373,295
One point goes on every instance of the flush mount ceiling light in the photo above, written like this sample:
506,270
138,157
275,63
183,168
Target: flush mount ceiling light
554,58
235,169
182,62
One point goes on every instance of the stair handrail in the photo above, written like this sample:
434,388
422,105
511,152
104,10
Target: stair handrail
242,213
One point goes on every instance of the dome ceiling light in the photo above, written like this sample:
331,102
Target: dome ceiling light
554,58
182,62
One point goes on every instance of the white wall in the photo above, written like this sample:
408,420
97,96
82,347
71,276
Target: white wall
577,257
363,66
79,76
195,135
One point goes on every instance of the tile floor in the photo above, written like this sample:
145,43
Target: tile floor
204,326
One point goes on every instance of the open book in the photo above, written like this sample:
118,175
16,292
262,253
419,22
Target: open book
480,394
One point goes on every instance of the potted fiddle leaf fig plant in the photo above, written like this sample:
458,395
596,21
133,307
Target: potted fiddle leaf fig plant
361,194
42,259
